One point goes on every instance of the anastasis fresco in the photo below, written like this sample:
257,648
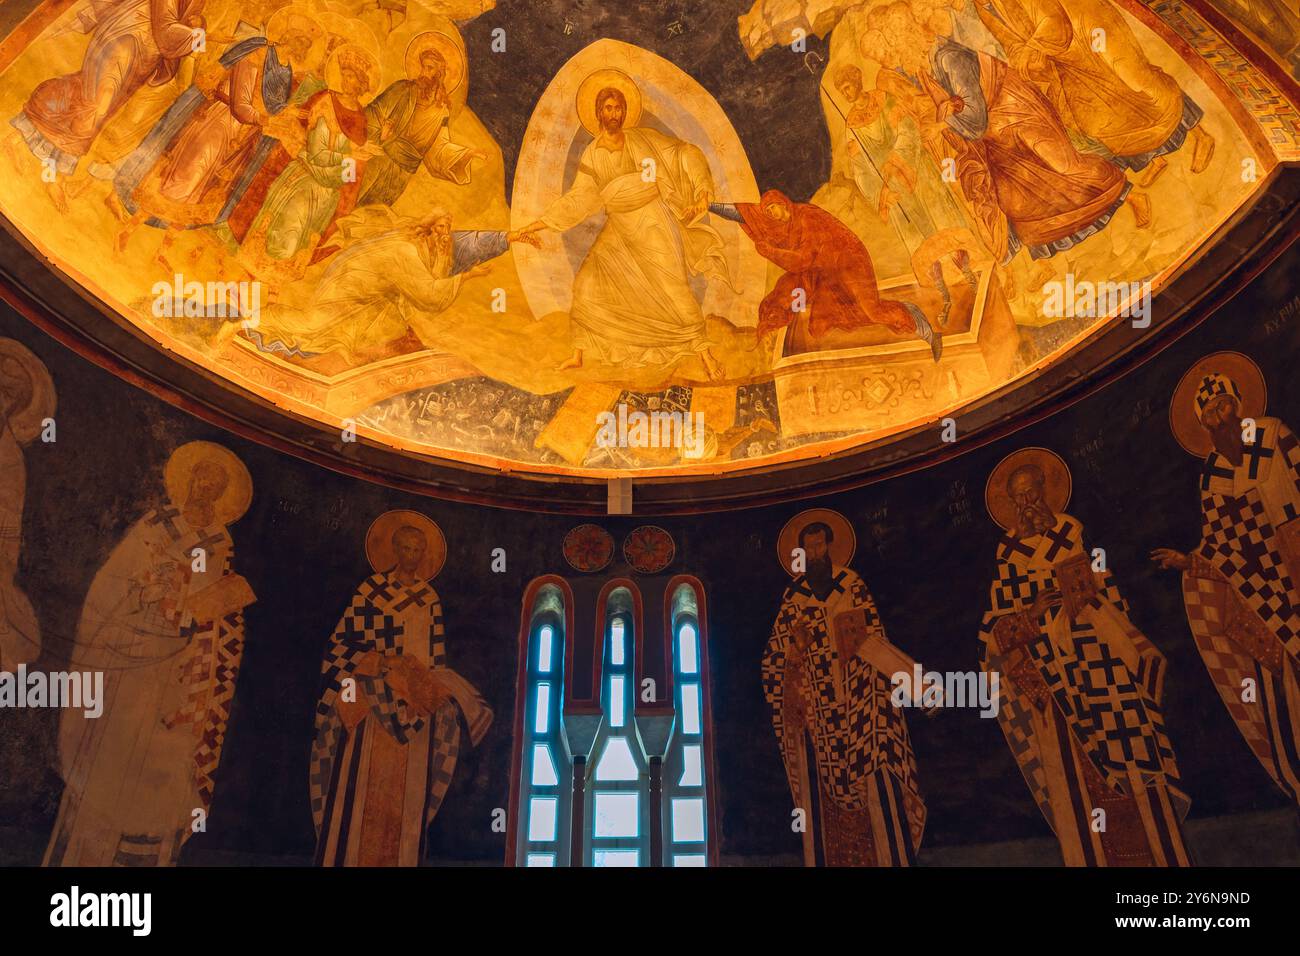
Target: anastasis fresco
325,207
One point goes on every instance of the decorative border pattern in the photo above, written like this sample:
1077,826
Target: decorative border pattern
1267,104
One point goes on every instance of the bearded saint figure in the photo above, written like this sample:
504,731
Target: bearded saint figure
828,674
1240,581
1081,705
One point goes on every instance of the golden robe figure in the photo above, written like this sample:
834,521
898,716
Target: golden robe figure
132,42
388,720
1086,58
411,121
186,171
386,284
1240,581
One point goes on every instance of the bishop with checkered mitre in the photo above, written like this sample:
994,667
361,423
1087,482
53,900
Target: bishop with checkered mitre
388,720
1080,686
827,676
1240,581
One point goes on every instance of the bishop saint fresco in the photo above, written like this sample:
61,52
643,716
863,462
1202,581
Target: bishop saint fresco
827,676
1239,581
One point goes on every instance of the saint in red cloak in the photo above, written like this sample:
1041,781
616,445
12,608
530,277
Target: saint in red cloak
829,277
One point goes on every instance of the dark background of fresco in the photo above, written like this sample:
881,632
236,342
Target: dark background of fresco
925,544
925,549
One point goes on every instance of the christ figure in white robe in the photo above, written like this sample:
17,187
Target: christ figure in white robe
633,304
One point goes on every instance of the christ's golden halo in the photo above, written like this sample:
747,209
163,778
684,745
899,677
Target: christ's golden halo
613,79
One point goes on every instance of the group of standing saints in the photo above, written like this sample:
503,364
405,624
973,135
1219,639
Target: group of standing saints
1079,694
163,622
1080,688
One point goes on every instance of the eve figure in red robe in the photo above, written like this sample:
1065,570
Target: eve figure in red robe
829,279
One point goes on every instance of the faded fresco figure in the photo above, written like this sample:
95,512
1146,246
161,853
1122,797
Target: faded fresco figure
397,277
827,675
1027,183
320,183
633,304
132,42
1240,582
27,401
1081,688
898,177
1275,22
164,623
1086,58
388,731
192,168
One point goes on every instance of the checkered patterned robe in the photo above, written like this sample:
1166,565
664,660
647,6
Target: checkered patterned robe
847,756
1241,598
376,788
135,775
1087,693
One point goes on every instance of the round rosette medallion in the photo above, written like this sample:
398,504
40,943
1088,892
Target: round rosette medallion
649,549
588,548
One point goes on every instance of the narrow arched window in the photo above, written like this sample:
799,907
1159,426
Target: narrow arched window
544,784
617,812
613,755
688,760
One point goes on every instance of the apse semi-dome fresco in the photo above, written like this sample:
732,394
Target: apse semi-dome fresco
775,236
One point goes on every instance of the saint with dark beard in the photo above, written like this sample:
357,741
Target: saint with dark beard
827,677
411,121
